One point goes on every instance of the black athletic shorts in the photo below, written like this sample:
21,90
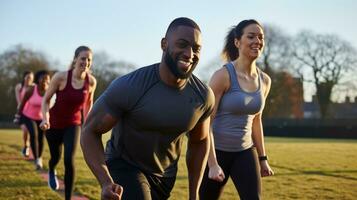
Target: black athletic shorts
137,184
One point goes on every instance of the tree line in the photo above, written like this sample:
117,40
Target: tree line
18,59
323,61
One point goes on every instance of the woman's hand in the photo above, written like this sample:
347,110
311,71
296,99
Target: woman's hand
265,169
216,173
45,125
17,118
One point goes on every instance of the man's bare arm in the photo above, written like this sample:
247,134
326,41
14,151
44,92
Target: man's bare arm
98,122
197,154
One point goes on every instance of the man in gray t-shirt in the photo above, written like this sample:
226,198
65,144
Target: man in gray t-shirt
151,110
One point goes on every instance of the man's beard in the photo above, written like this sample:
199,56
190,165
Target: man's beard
172,65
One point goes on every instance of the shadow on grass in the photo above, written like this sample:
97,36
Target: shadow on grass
330,173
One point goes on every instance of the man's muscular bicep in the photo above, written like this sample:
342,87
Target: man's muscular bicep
200,131
99,119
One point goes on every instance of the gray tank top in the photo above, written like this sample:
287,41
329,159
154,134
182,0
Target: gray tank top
232,125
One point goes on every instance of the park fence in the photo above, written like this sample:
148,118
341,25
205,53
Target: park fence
315,128
311,128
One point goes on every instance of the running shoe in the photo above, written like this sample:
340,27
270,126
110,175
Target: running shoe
52,180
38,164
26,151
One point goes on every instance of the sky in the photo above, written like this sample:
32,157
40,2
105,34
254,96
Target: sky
131,30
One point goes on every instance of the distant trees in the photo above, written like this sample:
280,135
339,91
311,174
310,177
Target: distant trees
290,61
13,62
285,99
18,59
320,60
277,51
106,70
323,60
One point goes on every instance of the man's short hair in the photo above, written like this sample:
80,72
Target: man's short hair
182,21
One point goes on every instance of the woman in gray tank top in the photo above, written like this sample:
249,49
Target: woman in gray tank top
237,145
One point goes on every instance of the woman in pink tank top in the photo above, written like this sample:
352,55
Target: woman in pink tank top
20,88
30,112
74,91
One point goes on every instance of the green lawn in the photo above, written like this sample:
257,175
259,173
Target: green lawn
304,168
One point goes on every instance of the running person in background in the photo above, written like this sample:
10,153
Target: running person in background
240,89
74,91
30,112
151,110
20,88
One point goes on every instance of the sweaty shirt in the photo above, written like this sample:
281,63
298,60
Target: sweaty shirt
153,118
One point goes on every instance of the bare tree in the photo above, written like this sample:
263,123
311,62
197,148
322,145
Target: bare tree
17,59
323,60
285,99
277,51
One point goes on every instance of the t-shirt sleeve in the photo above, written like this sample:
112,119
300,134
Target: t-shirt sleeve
117,98
209,105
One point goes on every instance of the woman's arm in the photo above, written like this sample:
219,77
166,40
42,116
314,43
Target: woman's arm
28,94
17,93
88,105
219,84
258,135
45,107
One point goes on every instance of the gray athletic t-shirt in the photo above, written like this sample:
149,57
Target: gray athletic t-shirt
153,118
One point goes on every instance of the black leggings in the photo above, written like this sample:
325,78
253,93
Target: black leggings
243,167
139,185
36,136
69,138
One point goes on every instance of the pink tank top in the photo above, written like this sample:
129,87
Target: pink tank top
32,107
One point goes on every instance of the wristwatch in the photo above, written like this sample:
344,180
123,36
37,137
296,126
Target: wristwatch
261,158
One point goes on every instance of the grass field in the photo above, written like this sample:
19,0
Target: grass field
304,168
